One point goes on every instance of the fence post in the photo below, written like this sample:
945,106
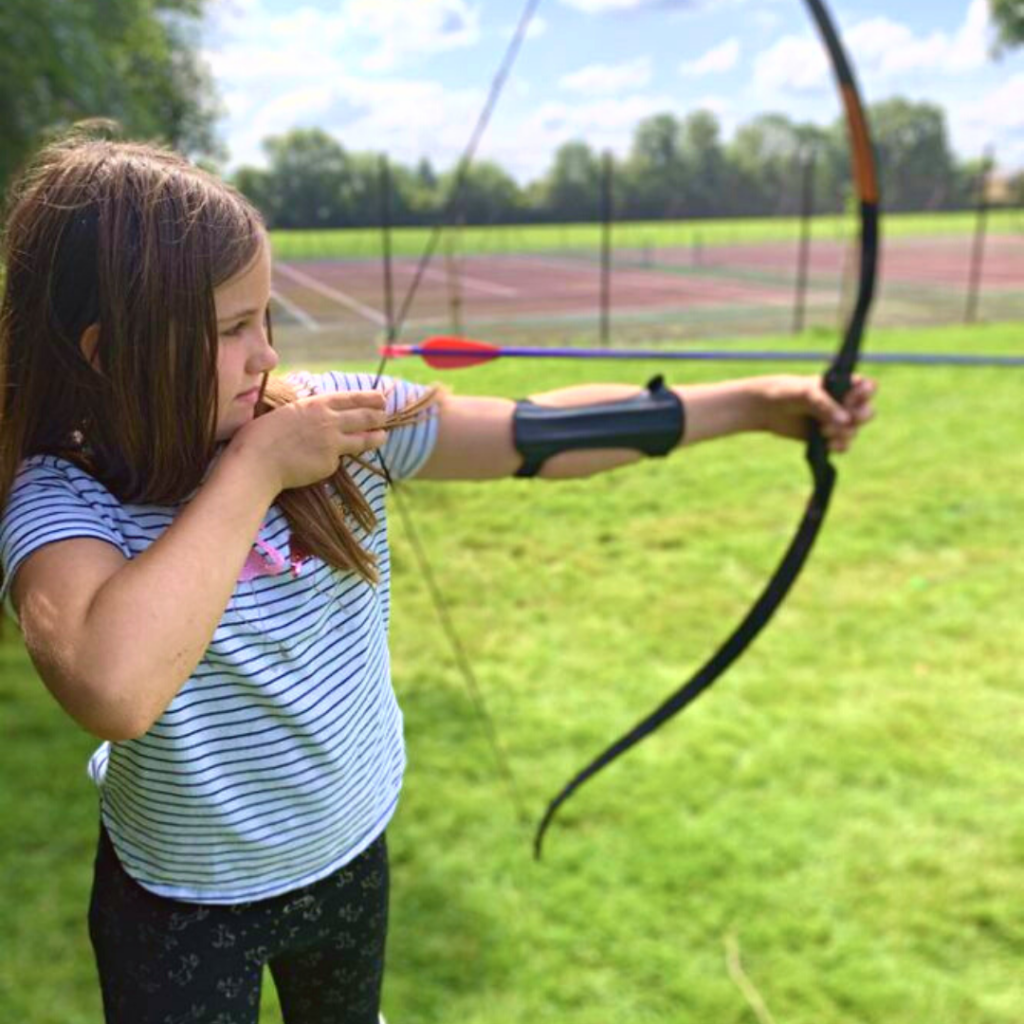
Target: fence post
806,213
978,249
607,214
452,275
384,188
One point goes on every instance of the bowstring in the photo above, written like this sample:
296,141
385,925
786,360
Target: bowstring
462,173
394,328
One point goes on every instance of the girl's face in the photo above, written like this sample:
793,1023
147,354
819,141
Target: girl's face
244,354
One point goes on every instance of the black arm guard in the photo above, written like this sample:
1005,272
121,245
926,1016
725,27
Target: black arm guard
651,422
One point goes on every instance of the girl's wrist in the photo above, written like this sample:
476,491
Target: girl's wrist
247,458
720,410
757,400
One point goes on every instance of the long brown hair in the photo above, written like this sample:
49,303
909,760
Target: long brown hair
135,239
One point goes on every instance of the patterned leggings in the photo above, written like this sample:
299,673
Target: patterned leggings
162,961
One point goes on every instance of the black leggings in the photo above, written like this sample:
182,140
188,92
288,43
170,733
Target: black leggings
163,961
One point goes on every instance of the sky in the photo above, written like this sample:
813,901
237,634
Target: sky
409,77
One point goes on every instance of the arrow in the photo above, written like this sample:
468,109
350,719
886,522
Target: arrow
445,352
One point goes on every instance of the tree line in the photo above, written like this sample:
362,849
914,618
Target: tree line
676,168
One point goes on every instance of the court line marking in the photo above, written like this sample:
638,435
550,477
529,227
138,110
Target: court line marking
366,312
476,284
304,318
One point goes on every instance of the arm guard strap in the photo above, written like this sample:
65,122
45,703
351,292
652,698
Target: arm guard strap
652,422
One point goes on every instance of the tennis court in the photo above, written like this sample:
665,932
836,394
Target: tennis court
327,307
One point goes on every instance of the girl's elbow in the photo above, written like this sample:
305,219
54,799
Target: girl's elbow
114,728
104,709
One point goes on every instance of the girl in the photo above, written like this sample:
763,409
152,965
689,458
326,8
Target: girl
197,555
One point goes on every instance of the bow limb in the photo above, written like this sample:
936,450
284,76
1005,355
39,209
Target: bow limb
838,379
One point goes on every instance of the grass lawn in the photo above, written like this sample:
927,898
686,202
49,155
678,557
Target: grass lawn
365,243
843,808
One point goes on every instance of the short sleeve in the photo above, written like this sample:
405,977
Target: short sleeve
52,501
407,448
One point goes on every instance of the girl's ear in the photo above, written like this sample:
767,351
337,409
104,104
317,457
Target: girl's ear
89,344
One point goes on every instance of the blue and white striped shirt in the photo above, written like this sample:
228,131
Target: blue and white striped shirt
281,758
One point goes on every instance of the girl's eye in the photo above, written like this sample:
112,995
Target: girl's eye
234,330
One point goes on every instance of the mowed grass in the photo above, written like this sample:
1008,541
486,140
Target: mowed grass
844,805
365,243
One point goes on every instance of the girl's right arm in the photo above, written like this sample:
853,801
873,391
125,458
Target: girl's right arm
115,639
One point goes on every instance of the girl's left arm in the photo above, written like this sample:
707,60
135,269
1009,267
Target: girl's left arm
475,440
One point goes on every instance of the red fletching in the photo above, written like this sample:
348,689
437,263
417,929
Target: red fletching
443,352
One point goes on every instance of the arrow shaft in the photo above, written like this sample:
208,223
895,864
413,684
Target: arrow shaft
717,356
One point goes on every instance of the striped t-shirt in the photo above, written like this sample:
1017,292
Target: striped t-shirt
281,758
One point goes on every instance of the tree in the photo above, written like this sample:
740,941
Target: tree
655,173
310,182
1008,16
571,190
708,191
916,164
763,154
414,195
1015,189
971,177
489,195
426,176
135,61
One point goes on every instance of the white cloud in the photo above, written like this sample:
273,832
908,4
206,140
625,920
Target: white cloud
602,6
404,27
330,69
881,49
263,48
597,118
301,106
406,118
603,79
538,26
766,20
309,41
793,63
716,61
997,116
260,69
526,147
890,48
720,106
310,68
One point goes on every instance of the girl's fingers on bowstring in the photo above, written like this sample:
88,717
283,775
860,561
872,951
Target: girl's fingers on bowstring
361,417
345,400
301,442
362,429
358,420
